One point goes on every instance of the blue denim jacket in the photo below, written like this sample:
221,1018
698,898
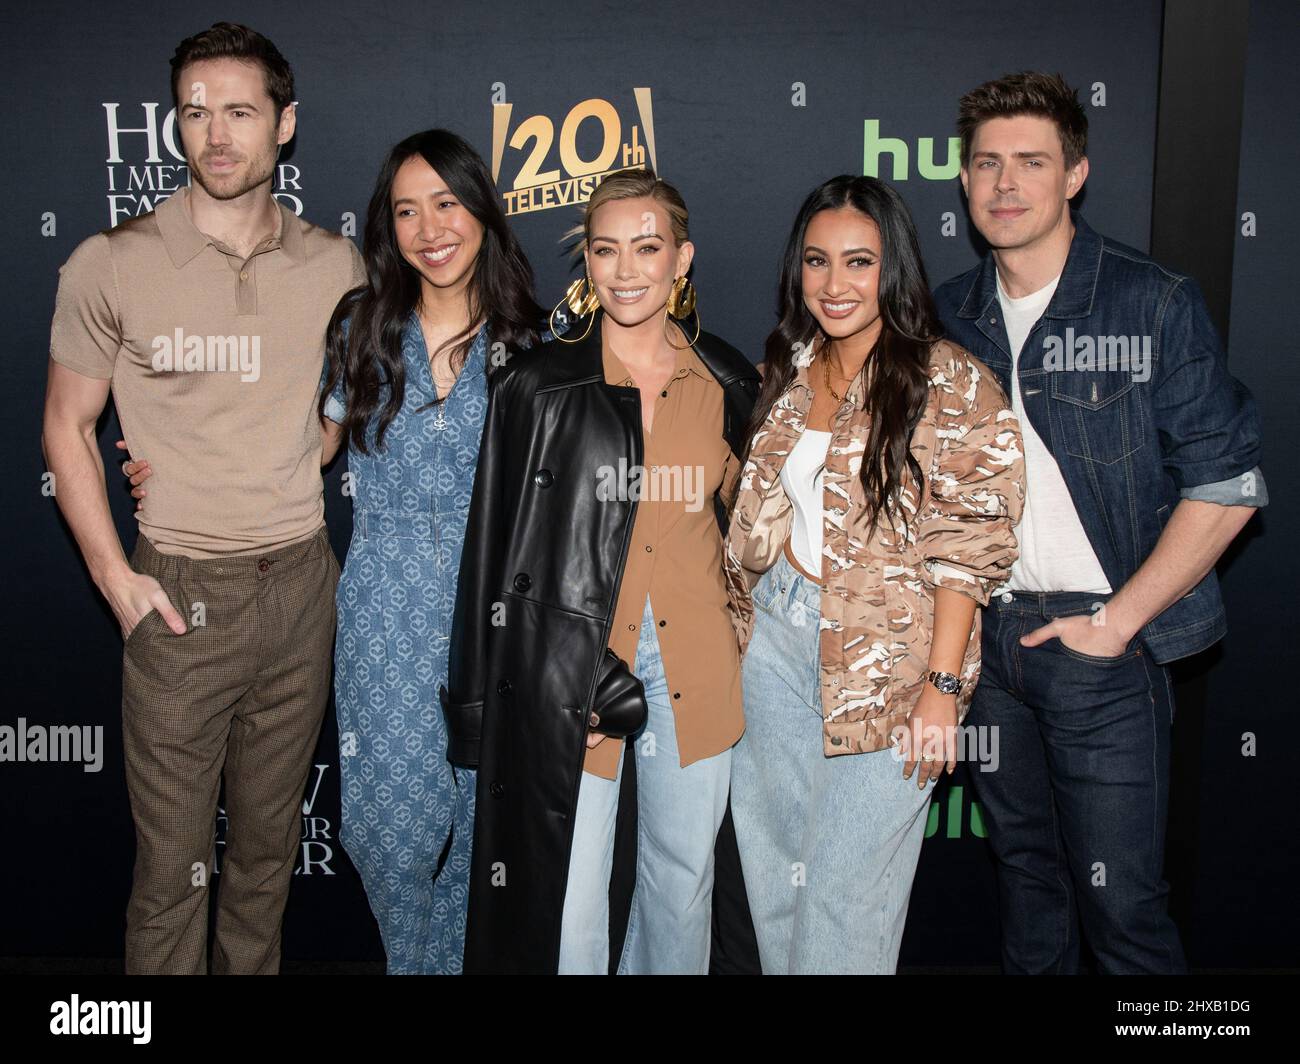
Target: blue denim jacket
1130,440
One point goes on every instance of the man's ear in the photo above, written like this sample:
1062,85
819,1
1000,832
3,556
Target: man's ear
288,124
965,181
1075,178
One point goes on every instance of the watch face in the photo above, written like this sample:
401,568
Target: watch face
947,683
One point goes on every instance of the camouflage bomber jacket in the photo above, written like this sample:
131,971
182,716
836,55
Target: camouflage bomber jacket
877,605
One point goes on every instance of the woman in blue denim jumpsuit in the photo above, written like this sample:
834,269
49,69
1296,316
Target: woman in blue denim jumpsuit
407,818
404,806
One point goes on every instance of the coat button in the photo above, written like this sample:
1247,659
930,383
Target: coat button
523,582
543,478
504,687
495,789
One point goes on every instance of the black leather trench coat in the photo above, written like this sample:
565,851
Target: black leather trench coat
540,573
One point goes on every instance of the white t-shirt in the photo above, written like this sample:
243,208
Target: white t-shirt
1055,554
801,477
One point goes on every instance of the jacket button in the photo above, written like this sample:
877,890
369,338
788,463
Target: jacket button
504,687
835,741
543,478
523,582
495,789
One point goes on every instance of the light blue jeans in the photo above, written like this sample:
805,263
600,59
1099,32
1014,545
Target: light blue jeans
828,845
679,811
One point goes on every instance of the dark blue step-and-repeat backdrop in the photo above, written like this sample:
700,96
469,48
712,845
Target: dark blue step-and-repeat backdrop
746,107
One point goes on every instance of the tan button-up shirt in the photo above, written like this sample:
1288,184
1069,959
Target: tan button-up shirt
676,559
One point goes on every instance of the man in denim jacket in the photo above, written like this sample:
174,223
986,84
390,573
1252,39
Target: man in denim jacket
1141,455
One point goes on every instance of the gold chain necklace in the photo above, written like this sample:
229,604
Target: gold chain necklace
826,372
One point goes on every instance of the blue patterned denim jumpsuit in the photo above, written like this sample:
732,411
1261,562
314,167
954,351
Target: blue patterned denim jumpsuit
407,815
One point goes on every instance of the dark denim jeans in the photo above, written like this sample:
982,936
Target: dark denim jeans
1076,809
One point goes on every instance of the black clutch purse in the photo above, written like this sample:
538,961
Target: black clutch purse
619,707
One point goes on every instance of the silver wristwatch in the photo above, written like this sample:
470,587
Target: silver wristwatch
946,682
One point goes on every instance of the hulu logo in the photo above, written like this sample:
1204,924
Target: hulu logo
874,146
954,818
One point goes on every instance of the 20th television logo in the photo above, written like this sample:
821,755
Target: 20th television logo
536,189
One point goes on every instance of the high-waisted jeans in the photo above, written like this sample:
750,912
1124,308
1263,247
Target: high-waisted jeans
679,811
829,845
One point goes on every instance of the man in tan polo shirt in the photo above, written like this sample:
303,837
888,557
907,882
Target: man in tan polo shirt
206,320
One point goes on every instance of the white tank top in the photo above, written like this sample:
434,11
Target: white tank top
801,477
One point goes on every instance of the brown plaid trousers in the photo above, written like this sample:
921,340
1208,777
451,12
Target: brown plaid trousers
242,693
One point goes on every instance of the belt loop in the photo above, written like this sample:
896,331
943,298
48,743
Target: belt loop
166,567
786,586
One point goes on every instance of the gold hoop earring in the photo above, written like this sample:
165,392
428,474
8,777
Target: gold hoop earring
681,303
581,303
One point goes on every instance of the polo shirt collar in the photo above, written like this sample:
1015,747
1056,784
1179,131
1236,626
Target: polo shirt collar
184,240
180,235
291,239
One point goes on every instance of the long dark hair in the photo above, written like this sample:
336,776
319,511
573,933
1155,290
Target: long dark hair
500,290
898,378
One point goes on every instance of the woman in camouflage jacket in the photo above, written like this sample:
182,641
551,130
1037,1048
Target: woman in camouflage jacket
876,509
